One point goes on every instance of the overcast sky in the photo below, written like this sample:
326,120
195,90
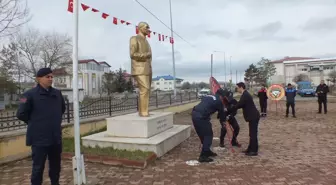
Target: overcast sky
245,29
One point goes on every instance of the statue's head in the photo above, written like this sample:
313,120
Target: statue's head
144,28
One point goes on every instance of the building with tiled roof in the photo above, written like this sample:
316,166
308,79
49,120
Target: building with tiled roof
316,69
166,83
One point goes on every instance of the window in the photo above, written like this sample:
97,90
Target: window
93,81
165,83
170,82
157,83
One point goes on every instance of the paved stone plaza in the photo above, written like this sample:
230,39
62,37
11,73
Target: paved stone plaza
293,151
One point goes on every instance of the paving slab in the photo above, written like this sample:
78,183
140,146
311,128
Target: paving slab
293,151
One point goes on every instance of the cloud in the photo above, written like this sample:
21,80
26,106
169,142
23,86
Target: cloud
246,30
321,24
267,32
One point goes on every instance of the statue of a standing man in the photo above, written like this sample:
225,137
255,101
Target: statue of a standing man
141,56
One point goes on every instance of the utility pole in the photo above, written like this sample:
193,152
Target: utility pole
230,70
224,69
211,64
236,76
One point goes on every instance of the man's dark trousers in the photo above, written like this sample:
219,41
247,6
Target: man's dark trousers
204,131
39,156
263,106
253,133
233,122
292,105
322,99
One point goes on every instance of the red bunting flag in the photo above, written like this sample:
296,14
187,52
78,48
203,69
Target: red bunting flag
115,20
149,34
105,15
127,23
70,6
85,7
154,32
163,37
95,10
171,40
136,30
159,37
122,21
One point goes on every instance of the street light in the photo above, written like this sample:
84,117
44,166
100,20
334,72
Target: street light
230,70
224,64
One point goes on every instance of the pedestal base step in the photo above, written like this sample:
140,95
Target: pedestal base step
159,144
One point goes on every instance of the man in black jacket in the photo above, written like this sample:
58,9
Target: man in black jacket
251,115
41,108
262,94
321,92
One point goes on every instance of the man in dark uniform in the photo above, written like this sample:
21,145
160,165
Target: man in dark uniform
290,94
201,116
41,108
321,92
262,94
231,112
251,115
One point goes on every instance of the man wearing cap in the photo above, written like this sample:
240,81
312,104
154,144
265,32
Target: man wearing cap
201,116
41,108
290,94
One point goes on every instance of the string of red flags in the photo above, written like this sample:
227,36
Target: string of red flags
117,21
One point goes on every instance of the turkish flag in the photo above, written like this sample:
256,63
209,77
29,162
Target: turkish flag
85,7
149,34
95,10
171,40
136,30
163,37
115,20
159,37
70,6
122,21
105,15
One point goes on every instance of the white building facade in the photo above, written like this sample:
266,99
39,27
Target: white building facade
166,83
290,67
90,76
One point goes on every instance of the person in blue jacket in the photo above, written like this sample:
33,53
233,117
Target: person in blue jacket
201,116
41,108
290,94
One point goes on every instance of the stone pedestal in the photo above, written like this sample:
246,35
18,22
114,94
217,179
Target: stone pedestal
155,133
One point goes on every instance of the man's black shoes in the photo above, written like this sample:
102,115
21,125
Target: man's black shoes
211,154
204,159
251,153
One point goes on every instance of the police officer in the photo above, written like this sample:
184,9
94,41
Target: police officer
290,94
201,116
321,92
231,113
41,108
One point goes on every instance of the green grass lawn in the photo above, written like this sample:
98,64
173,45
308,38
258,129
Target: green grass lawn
69,146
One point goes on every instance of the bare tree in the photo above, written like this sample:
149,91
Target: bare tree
301,77
13,14
38,50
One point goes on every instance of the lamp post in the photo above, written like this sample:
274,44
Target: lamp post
224,65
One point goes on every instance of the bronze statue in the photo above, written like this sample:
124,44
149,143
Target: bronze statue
141,57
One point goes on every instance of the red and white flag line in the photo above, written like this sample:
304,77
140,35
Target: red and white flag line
116,21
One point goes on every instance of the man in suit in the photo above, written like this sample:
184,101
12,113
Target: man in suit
141,57
251,115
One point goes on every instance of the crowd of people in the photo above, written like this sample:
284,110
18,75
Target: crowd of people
226,106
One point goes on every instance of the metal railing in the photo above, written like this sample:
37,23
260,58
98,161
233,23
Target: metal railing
106,106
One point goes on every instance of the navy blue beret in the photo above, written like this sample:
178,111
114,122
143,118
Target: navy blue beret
43,72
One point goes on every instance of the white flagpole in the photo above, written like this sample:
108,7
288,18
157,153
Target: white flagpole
78,168
173,49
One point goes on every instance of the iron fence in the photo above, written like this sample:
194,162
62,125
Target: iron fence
106,106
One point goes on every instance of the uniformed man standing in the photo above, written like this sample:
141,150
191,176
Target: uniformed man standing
321,92
41,108
201,116
290,94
